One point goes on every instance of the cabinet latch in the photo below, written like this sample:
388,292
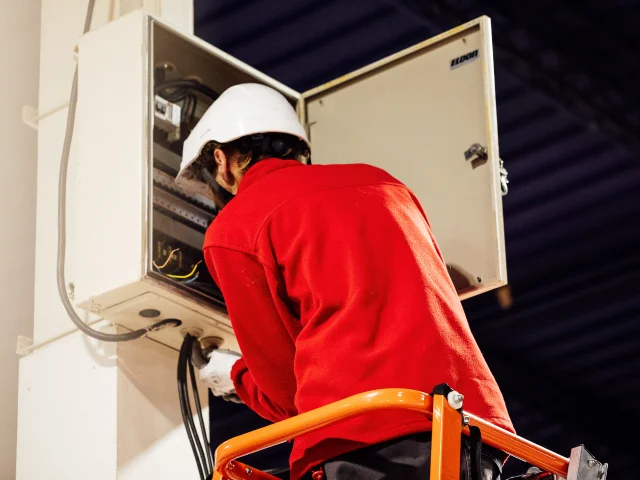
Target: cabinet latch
476,150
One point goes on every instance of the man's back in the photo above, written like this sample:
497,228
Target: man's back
335,286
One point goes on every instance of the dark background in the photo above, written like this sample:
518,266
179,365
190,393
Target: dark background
566,354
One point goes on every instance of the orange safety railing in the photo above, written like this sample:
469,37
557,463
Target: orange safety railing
447,428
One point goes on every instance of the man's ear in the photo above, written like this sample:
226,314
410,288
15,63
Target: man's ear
224,176
221,159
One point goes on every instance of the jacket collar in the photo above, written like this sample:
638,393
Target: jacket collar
262,169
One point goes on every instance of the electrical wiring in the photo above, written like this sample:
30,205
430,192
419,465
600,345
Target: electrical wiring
204,461
192,114
194,389
183,397
167,261
189,104
181,87
62,224
189,275
186,102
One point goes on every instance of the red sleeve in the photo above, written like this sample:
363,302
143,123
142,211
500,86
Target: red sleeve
251,395
263,378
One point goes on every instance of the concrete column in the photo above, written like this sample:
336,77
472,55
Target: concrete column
87,409
20,40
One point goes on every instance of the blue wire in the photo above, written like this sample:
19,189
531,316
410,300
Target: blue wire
191,279
195,277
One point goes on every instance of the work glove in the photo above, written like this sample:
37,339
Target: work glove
216,374
232,397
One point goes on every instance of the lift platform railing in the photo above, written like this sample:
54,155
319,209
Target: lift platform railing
448,424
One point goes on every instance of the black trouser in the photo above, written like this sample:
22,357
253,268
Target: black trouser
407,458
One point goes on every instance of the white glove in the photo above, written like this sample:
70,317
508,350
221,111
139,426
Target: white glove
217,373
232,397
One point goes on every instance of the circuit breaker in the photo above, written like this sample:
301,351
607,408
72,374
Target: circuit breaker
426,115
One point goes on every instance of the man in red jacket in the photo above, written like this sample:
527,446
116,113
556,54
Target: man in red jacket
334,286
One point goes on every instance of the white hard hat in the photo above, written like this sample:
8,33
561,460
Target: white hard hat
245,109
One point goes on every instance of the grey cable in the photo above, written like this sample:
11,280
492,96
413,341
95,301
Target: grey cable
62,223
88,16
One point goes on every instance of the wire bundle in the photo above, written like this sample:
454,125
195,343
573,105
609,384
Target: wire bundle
176,90
184,91
166,262
192,357
201,453
190,277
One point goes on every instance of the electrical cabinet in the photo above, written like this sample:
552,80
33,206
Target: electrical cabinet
426,115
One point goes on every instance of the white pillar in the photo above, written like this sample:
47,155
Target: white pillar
86,409
20,40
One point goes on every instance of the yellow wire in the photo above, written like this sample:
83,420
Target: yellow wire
168,259
195,267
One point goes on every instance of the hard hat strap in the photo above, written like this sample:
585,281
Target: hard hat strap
257,146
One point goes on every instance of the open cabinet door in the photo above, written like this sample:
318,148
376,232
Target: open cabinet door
416,114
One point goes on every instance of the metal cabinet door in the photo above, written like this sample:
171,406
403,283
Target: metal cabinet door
415,114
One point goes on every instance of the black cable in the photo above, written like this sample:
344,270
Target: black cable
173,96
184,108
183,397
192,424
190,433
187,85
194,388
194,440
192,114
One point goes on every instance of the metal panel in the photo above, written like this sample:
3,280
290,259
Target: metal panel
157,296
177,230
108,149
114,192
114,238
181,208
415,114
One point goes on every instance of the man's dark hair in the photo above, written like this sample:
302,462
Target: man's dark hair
246,152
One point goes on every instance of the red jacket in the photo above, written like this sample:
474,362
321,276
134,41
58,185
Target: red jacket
335,286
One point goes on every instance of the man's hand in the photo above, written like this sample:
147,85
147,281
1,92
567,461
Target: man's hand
216,374
232,397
